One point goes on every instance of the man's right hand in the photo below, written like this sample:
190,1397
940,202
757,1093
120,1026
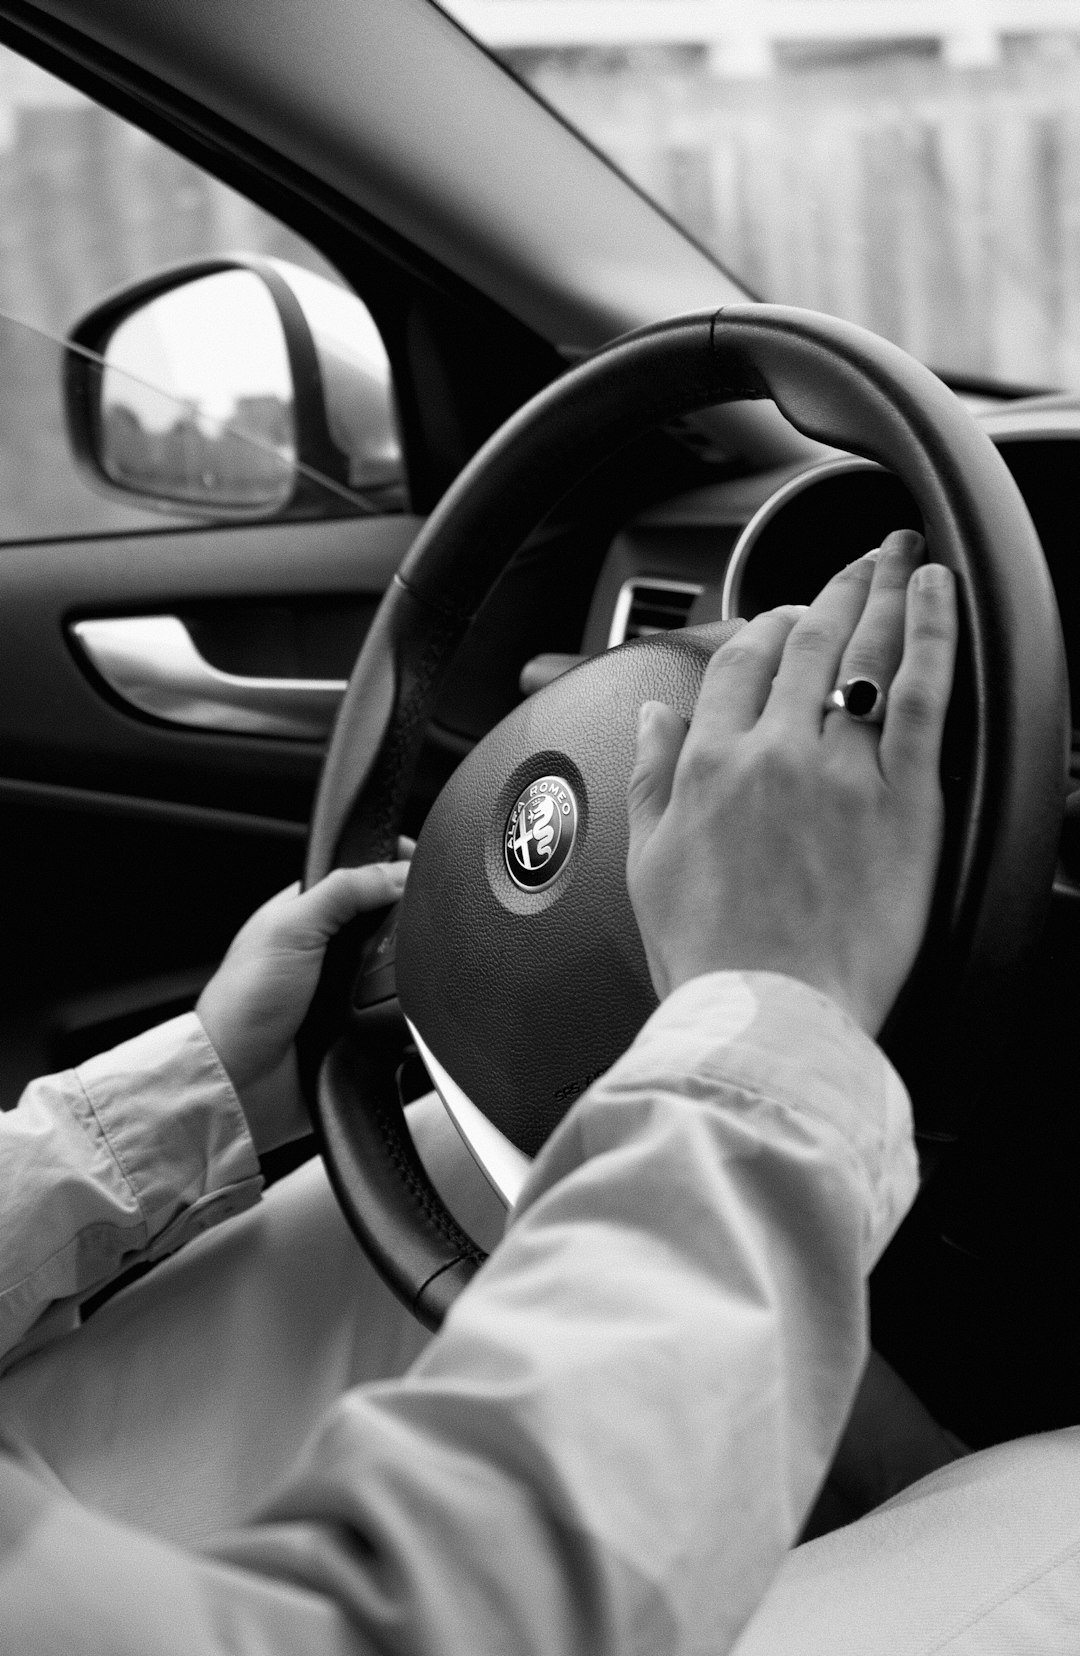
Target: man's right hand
770,835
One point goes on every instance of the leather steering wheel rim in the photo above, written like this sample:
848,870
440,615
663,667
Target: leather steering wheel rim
845,387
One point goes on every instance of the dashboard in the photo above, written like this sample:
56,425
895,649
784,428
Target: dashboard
736,548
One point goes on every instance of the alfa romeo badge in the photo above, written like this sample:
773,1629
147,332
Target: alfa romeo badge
540,833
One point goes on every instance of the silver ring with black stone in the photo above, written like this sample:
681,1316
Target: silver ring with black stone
861,699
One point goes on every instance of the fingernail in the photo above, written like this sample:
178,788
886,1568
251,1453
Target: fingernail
903,540
646,713
934,577
396,875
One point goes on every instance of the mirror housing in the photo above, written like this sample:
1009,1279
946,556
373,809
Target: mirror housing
235,387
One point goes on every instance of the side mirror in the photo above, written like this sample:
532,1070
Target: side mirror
236,387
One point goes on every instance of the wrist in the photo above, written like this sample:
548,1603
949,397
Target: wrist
273,1107
270,1098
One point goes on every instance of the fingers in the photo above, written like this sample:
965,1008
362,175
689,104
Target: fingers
344,894
280,899
740,675
811,660
915,716
877,644
660,737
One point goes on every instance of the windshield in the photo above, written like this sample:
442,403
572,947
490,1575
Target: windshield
912,165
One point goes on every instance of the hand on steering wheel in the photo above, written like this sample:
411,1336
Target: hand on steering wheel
256,1000
524,990
774,835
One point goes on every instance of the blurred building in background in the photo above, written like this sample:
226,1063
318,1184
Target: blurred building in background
755,37
87,202
911,164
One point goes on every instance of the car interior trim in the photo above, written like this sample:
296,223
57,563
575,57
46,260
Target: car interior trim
55,796
731,595
503,1165
151,662
1029,425
624,602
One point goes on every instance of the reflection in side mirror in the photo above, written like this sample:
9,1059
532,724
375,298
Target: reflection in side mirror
236,387
196,398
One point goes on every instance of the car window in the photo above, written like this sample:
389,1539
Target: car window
910,166
90,205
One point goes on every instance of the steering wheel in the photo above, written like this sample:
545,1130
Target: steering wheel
517,954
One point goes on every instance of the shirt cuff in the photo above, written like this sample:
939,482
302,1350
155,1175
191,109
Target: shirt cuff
119,1161
173,1124
751,1036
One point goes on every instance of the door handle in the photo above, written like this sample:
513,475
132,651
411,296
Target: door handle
151,662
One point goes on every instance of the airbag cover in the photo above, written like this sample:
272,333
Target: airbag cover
526,992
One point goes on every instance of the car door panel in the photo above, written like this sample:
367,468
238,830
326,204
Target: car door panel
134,848
60,724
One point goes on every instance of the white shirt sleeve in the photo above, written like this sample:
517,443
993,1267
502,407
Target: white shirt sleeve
616,1436
120,1160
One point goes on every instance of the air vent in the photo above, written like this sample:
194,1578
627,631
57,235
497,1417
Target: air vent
646,607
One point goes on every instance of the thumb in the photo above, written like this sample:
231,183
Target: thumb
344,894
660,736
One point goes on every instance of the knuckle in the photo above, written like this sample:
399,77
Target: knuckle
858,574
850,794
863,664
933,629
917,705
698,766
778,763
341,882
894,569
640,786
809,638
740,652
